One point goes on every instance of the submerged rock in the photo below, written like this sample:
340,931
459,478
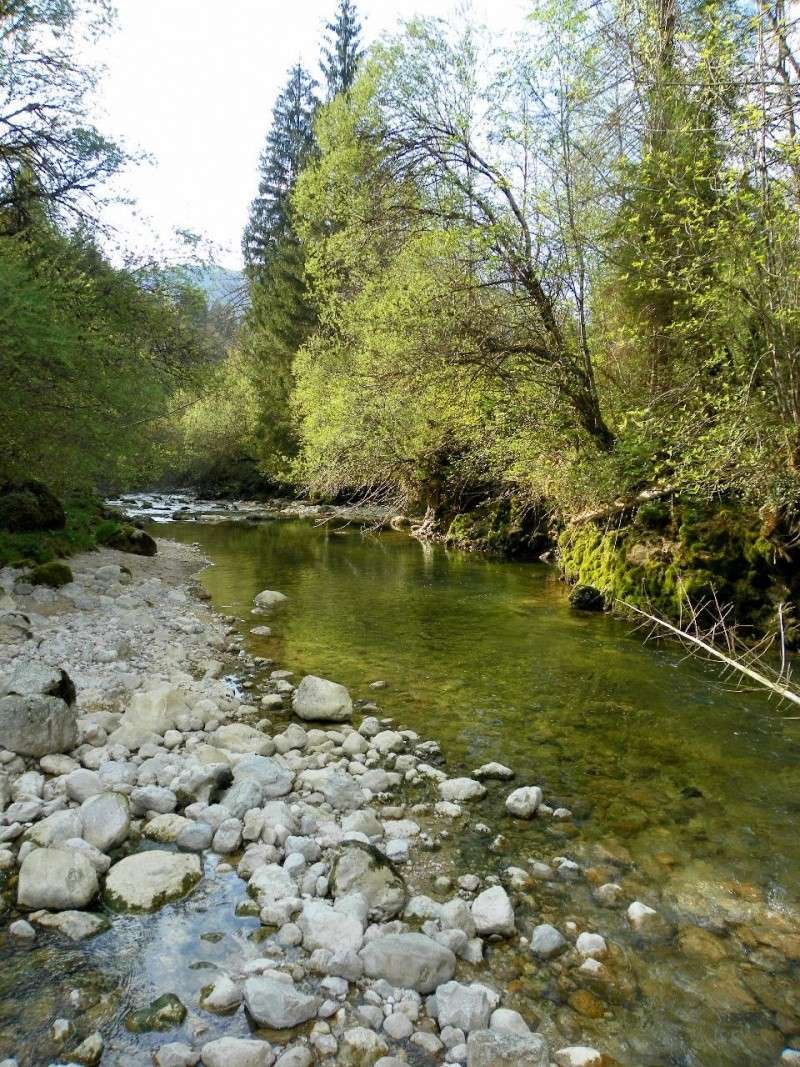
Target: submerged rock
163,1014
147,880
76,925
268,598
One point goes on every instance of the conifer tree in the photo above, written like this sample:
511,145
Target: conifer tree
281,313
342,51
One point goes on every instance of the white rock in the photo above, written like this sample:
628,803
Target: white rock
146,880
523,802
237,1052
493,913
56,879
579,1056
508,1020
317,699
324,927
546,941
456,789
106,820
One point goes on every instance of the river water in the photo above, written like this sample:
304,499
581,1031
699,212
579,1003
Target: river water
684,792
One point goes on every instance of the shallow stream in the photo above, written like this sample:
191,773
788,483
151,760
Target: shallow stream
683,792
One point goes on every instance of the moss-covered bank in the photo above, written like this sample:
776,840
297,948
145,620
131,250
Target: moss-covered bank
86,524
665,556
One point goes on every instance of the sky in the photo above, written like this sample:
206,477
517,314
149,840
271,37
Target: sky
191,83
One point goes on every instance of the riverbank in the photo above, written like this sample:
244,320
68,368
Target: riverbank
533,958
173,779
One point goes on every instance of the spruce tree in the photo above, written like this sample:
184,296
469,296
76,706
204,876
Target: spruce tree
281,313
342,51
290,143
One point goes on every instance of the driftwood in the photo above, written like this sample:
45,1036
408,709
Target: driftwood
728,659
620,506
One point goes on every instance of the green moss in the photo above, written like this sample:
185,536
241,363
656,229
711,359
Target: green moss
165,1013
665,556
84,514
503,527
53,574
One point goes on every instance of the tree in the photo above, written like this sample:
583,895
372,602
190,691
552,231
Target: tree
49,151
290,144
281,313
342,53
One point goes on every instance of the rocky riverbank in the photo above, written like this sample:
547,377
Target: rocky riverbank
148,778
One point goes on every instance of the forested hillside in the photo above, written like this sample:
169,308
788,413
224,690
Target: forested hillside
541,289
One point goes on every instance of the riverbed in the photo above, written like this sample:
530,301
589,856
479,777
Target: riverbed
682,789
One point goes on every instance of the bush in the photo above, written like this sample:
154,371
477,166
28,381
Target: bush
27,507
54,574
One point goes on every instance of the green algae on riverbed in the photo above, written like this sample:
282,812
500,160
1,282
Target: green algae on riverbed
683,792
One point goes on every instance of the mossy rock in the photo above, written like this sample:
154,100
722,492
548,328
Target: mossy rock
587,598
505,526
126,538
53,574
29,507
163,1014
665,557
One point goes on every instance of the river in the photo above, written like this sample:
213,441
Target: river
683,791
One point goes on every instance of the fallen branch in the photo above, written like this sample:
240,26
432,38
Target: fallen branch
712,651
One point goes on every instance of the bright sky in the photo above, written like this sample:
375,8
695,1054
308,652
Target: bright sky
192,83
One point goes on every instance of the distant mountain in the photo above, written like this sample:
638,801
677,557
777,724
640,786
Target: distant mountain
220,284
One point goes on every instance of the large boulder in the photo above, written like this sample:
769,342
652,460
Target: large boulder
408,961
56,879
500,1048
277,1004
37,679
272,775
106,820
28,507
318,700
361,868
37,725
147,880
128,538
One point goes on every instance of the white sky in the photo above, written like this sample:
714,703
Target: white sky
192,83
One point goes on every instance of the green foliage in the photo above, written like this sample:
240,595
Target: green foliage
669,559
84,519
89,356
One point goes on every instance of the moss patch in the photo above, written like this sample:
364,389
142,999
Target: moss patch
667,556
504,527
53,574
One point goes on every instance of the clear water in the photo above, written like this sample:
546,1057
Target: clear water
683,792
